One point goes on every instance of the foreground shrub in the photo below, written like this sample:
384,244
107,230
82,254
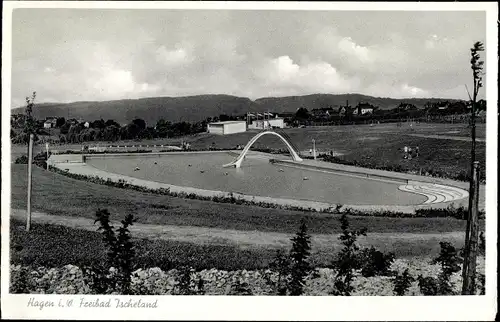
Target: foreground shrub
293,269
117,275
281,265
428,285
351,258
347,260
187,285
375,263
300,267
402,282
449,261
22,281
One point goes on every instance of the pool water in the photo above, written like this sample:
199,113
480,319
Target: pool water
256,177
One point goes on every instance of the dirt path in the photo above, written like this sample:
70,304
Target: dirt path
243,239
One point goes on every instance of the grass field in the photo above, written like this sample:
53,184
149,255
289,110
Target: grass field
56,245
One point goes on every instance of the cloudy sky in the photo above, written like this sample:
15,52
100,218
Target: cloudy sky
81,54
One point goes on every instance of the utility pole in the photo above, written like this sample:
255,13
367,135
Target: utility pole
314,149
30,128
30,159
47,148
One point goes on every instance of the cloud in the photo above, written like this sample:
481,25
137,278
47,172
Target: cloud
172,57
396,90
282,75
348,46
65,55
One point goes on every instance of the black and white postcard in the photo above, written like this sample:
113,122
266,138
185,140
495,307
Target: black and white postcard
249,160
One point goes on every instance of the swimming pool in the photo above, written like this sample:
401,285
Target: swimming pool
257,177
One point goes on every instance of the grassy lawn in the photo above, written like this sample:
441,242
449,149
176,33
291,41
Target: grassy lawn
55,246
59,195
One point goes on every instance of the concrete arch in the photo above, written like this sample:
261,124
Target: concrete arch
237,163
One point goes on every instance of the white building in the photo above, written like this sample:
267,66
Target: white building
277,122
227,127
50,123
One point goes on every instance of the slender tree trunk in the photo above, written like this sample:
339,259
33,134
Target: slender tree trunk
469,269
30,158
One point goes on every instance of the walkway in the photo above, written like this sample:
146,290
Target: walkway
243,239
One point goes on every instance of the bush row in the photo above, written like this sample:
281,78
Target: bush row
450,211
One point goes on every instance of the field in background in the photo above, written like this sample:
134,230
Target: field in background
377,146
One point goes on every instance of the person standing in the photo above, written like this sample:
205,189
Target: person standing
417,151
405,155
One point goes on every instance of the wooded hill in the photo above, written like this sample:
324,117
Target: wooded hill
199,107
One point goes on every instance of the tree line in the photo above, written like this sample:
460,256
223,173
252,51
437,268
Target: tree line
75,131
138,129
348,114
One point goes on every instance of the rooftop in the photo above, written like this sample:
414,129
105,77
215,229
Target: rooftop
226,122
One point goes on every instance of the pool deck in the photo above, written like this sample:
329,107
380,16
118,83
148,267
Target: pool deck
87,170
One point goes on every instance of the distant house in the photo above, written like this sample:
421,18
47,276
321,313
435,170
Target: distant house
50,123
86,124
72,121
276,122
345,109
323,112
363,109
